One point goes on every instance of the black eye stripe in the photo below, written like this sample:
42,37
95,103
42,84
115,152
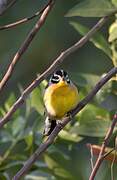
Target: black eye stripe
61,73
54,81
55,77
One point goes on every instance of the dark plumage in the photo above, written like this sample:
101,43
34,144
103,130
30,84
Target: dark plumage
55,78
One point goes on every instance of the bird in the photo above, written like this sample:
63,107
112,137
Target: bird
60,97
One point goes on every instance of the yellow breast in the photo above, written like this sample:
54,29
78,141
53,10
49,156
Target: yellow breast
60,98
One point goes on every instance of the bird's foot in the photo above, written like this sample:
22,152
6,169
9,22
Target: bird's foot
59,123
69,114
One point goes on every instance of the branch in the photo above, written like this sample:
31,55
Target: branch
42,148
26,44
91,155
108,152
114,160
24,20
56,63
105,143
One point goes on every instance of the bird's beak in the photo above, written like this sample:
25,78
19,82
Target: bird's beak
63,82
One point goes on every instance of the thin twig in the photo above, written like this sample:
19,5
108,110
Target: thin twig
113,161
112,165
105,143
91,155
108,154
26,44
24,20
42,148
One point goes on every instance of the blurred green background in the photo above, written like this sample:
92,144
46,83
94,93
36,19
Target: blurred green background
68,157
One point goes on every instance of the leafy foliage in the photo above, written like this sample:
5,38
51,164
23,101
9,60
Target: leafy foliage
23,134
68,157
92,8
98,39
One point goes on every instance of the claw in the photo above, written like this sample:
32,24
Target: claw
69,114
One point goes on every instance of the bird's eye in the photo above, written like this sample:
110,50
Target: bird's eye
54,79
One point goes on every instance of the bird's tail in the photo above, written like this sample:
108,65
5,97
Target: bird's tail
49,126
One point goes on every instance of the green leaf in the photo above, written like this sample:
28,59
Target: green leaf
98,39
63,173
18,125
11,164
94,128
113,32
40,175
50,162
3,177
57,150
12,168
92,8
114,52
5,136
104,92
38,137
9,102
37,101
69,137
29,140
93,121
91,113
2,112
4,147
114,2
58,165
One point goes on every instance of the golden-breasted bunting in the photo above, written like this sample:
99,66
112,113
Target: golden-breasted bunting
60,97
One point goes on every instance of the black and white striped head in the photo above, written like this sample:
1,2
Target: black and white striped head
59,75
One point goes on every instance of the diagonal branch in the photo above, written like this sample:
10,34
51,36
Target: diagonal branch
108,153
24,20
105,143
26,44
42,148
56,63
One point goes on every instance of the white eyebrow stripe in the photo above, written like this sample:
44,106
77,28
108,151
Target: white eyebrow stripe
54,80
56,75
